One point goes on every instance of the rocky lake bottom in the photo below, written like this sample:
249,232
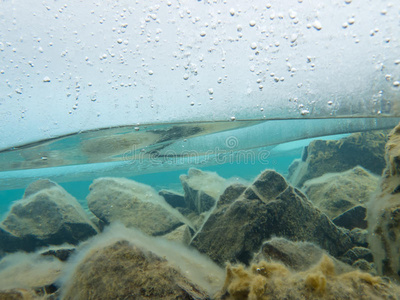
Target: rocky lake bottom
328,229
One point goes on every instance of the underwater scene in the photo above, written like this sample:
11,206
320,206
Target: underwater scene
199,211
209,149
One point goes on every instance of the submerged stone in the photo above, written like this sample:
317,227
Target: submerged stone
352,218
202,189
297,256
269,207
124,263
335,193
173,198
122,271
182,234
384,212
364,149
133,204
47,215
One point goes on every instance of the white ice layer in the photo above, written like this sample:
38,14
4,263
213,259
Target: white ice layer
67,66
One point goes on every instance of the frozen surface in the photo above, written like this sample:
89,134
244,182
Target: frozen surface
127,152
78,65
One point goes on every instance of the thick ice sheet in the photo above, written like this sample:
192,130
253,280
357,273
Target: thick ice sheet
67,67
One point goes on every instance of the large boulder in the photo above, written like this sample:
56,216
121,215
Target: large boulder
122,271
364,149
269,207
123,263
202,189
133,204
47,215
335,193
384,212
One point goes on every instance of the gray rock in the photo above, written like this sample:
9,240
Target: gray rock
182,234
357,253
364,149
202,189
133,204
173,198
298,256
38,185
335,193
269,207
359,237
354,217
384,212
11,243
62,254
136,266
47,215
365,266
231,193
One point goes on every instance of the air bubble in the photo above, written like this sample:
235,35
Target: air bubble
304,112
317,25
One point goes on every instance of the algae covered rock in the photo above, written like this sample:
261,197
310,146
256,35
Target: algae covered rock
269,207
352,218
297,256
202,189
123,263
335,193
182,234
365,149
134,204
173,198
47,215
270,280
384,212
29,276
122,271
